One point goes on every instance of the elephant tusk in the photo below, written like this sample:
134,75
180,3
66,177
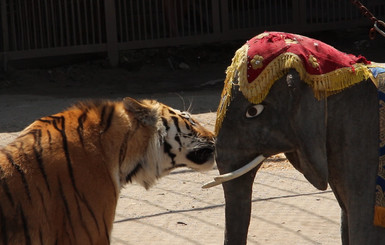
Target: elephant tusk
235,174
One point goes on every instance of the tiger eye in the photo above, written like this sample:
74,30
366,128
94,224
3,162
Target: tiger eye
252,111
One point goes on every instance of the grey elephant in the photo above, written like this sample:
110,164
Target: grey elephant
282,95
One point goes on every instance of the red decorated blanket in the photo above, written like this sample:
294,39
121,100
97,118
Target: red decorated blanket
267,57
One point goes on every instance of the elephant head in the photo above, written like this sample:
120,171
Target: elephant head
281,123
331,139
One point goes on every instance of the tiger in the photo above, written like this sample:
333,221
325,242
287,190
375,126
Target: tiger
61,177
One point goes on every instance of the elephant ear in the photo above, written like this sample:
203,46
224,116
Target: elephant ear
308,121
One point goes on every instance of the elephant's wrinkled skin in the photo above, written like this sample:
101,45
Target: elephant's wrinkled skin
333,140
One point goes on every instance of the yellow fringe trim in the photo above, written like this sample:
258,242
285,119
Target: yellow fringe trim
235,69
323,85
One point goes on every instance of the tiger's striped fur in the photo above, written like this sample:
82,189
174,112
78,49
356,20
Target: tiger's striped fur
60,179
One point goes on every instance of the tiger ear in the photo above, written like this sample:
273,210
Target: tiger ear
145,113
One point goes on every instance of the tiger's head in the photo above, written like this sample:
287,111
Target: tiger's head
176,140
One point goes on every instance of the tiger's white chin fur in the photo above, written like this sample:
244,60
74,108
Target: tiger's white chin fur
150,163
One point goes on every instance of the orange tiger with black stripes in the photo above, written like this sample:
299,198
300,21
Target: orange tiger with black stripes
61,178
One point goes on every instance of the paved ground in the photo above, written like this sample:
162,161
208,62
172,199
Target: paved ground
286,210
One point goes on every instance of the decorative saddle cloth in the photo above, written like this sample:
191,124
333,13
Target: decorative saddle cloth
378,71
268,56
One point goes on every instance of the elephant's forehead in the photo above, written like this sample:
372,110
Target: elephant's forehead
268,56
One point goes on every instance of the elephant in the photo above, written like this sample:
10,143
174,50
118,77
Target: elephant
332,140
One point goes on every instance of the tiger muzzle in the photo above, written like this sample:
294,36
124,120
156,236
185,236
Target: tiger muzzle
201,155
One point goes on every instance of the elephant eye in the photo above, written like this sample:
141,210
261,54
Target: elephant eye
254,111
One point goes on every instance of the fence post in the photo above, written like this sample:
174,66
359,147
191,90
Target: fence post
225,18
299,13
215,6
111,31
4,28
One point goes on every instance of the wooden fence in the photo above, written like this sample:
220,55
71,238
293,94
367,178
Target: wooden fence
41,28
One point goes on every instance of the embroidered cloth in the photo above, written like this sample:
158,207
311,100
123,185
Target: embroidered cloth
268,56
379,212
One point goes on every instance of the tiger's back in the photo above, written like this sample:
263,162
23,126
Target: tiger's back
60,179
42,167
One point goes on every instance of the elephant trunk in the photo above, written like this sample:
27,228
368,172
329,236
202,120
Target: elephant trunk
238,208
